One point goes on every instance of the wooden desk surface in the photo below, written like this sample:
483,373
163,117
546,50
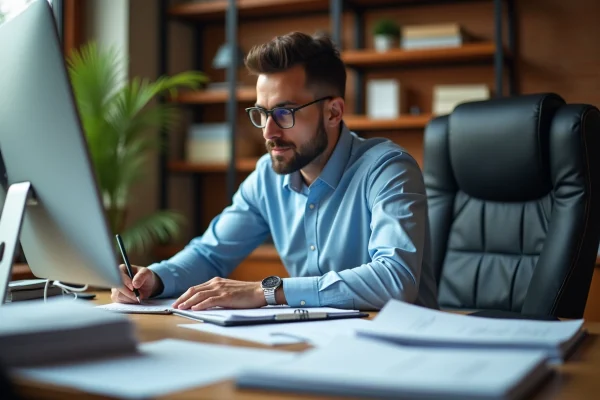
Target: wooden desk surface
579,378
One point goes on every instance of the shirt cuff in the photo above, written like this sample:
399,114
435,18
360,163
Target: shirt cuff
167,274
302,292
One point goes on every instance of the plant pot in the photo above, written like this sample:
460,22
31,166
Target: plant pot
384,42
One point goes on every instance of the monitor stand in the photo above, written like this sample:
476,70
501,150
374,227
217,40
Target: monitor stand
18,196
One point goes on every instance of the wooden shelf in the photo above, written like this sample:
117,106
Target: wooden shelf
215,9
21,271
265,252
399,57
246,94
242,165
363,123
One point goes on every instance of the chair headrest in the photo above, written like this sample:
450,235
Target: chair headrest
499,148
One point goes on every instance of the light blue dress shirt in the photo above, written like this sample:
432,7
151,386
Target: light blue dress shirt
357,237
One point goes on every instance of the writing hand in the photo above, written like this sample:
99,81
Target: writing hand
220,292
144,279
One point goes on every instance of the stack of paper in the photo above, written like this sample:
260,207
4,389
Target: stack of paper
29,289
33,332
159,369
367,368
408,324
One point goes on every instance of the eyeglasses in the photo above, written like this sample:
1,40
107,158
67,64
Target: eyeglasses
283,117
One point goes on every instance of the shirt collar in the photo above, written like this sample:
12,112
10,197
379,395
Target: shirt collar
334,168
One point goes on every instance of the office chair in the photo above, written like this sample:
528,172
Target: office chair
513,189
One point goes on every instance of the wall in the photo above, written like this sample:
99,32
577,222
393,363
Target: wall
107,23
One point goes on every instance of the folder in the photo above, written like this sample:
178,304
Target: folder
238,317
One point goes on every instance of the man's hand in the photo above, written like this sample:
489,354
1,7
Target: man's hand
144,279
220,292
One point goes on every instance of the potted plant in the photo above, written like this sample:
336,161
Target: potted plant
386,35
121,127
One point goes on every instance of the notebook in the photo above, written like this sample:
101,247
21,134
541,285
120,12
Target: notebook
366,368
408,324
237,317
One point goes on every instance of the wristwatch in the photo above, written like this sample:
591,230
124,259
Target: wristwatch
269,285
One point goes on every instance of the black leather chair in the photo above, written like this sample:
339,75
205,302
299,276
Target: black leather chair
514,190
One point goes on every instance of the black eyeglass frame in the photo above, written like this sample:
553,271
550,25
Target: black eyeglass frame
292,110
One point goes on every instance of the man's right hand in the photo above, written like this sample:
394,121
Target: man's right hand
144,280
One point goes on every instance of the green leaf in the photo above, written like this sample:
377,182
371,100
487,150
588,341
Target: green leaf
159,227
121,119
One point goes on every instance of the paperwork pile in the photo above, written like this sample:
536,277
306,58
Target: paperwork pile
33,332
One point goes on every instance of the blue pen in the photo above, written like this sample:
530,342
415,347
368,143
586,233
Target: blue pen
127,266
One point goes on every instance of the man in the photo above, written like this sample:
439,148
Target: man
348,216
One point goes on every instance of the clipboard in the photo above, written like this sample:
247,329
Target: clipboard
238,317
298,315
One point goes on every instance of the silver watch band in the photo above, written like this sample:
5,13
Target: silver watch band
270,297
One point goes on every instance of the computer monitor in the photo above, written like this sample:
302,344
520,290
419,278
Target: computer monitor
50,198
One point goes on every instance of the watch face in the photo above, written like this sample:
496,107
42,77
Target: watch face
271,282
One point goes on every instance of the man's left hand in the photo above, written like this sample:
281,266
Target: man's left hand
220,292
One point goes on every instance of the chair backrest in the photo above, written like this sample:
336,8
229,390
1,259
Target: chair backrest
513,190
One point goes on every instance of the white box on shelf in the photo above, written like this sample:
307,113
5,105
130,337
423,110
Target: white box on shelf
447,97
208,143
384,98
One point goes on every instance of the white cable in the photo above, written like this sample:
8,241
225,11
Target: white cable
46,289
70,288
66,289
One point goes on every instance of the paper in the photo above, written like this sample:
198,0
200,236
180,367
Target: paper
163,306
411,324
426,323
363,367
316,333
160,368
154,306
254,313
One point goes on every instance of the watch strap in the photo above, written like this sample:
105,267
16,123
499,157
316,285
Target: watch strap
270,296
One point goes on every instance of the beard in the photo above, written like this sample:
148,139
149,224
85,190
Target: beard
302,155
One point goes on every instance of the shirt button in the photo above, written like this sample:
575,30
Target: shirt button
312,206
312,248
302,303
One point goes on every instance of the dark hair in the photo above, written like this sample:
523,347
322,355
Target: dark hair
321,60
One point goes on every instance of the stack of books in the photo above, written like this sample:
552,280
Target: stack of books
433,35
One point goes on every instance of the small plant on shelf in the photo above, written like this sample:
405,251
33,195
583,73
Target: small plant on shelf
121,127
386,34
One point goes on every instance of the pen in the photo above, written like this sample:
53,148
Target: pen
127,265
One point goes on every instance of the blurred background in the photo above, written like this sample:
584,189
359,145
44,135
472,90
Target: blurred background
408,60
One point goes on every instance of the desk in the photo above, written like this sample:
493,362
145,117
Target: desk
578,379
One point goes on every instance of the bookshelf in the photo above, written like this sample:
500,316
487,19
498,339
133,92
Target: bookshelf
215,10
242,165
468,52
348,22
244,95
363,123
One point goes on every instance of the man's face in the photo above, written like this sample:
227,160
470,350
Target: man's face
294,148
